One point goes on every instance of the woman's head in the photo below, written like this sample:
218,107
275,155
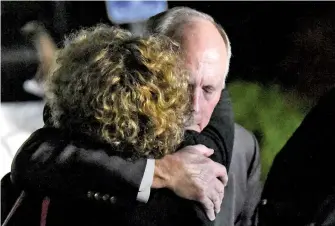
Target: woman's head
121,89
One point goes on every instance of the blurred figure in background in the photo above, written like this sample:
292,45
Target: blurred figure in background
300,187
46,50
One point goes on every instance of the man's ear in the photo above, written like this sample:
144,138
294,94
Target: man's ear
224,84
224,80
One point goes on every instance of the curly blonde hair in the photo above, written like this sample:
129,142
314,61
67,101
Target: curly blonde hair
121,89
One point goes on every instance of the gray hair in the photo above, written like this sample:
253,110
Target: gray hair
170,23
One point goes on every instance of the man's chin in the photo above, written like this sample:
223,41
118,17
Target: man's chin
196,128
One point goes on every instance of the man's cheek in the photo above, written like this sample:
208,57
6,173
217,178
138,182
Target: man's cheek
205,120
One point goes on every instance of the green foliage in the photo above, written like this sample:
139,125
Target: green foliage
269,113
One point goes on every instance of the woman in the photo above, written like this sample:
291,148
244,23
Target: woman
120,90
110,89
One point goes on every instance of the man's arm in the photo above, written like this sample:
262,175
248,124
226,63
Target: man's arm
51,166
48,163
218,135
253,184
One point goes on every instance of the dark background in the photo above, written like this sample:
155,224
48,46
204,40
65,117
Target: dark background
287,43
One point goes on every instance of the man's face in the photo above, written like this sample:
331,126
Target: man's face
207,61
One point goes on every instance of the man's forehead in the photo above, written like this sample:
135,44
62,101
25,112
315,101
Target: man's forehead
208,69
204,59
210,54
205,56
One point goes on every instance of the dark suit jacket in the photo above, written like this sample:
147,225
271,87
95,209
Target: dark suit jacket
50,163
300,188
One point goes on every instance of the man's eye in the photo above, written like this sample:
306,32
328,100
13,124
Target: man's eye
208,89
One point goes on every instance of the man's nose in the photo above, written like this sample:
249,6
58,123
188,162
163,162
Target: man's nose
196,99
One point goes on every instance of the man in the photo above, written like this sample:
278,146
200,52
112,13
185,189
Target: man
197,38
189,172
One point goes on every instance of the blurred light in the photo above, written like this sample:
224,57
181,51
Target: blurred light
122,12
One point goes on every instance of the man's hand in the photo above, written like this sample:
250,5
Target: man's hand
192,175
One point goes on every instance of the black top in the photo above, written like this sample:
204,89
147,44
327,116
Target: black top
300,187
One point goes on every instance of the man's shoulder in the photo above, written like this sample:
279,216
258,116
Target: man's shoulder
244,137
245,143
